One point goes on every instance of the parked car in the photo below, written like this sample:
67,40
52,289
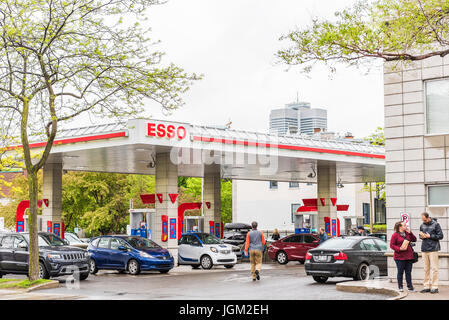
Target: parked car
351,256
205,250
380,235
56,258
74,241
128,253
292,247
235,233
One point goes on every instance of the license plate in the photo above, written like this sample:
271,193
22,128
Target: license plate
321,258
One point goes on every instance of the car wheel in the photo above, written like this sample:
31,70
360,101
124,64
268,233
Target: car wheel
93,269
281,257
83,276
301,261
229,266
1,275
363,272
43,273
196,266
206,262
133,267
320,279
163,271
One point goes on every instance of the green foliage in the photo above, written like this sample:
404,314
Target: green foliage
392,30
19,191
378,228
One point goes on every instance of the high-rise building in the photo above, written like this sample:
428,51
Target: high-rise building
311,119
297,117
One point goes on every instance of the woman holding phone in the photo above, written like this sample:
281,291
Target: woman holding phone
403,253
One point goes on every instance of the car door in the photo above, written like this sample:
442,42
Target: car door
372,252
118,258
383,266
20,251
309,242
188,249
102,253
7,254
293,247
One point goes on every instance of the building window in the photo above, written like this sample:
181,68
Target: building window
273,185
438,195
366,214
437,106
295,207
293,185
380,211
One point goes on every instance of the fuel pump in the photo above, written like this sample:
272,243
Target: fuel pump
141,222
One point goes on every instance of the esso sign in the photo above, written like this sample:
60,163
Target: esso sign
169,131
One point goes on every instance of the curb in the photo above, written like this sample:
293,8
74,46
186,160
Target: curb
48,285
366,288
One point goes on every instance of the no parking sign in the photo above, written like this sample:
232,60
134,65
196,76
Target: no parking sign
405,217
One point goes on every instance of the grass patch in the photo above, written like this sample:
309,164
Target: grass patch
7,280
21,284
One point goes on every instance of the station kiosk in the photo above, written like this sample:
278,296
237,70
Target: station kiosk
193,224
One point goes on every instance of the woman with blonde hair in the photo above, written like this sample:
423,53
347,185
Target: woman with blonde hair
275,235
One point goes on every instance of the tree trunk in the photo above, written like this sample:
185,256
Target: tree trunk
33,269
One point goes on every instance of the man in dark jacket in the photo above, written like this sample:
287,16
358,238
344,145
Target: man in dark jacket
323,235
430,232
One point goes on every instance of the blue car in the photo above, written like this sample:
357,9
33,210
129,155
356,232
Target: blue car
128,253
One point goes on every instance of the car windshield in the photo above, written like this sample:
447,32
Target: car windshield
53,240
208,238
72,238
42,241
337,243
141,243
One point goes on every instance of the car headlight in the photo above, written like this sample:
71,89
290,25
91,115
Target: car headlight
213,249
54,256
145,255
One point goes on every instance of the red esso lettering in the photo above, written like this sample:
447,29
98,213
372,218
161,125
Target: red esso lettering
170,131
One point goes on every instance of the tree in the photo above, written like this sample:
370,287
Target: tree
391,30
62,59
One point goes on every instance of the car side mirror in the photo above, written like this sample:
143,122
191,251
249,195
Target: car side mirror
122,248
23,246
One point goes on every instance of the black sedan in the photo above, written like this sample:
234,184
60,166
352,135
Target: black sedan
354,257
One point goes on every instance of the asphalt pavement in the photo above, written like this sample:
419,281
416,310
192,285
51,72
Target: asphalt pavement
286,282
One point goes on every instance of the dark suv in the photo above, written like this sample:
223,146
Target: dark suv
56,258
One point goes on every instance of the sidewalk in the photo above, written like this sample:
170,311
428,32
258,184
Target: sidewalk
384,286
17,294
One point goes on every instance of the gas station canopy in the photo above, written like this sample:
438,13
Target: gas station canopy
130,147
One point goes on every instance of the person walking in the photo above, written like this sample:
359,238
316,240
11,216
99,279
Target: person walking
400,243
430,232
361,231
323,235
255,243
275,236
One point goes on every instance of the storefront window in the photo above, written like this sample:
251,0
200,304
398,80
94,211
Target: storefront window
437,106
438,195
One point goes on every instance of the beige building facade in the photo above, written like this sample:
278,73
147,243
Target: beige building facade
417,149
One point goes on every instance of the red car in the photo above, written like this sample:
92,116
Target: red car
293,247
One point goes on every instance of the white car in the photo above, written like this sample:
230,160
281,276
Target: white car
205,250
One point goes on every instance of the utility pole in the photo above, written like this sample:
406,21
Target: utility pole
371,207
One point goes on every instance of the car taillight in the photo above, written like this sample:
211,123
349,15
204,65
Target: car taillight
308,256
340,256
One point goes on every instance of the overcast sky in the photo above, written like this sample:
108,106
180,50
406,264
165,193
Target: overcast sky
233,43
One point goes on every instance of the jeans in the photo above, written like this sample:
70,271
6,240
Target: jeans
404,266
